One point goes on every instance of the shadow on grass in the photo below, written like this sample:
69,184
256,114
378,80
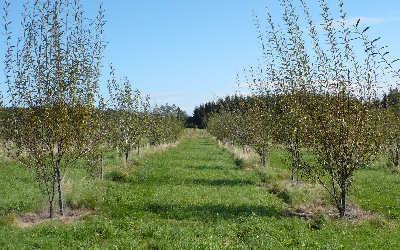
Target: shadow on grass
240,163
212,212
207,167
172,180
222,182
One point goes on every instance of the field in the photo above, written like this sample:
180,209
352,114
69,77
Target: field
195,195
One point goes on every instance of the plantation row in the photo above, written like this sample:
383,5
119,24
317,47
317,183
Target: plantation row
54,112
316,94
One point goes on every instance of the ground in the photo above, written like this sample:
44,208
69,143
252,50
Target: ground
194,195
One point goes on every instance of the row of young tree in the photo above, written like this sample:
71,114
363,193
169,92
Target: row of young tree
317,92
54,112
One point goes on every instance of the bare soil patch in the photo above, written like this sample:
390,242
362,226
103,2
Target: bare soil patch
313,209
309,211
29,220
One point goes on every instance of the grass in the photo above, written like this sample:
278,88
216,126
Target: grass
195,196
378,191
16,184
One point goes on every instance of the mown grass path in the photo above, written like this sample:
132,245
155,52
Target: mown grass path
194,196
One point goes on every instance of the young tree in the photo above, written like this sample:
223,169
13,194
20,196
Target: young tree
98,138
167,124
285,78
328,93
259,122
125,113
391,110
131,119
52,72
143,121
221,125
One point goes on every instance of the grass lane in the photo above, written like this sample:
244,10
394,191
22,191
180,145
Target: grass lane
193,196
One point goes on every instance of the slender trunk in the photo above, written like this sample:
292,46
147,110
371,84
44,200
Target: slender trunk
126,156
59,188
51,198
295,164
292,172
263,156
138,149
51,208
263,160
395,156
292,165
342,203
101,167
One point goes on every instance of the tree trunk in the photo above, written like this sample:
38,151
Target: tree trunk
263,160
263,156
138,149
101,167
126,156
51,198
342,204
59,189
295,164
292,172
51,208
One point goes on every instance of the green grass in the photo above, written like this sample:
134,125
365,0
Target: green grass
18,191
378,191
194,196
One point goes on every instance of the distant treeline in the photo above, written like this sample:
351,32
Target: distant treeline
202,112
234,102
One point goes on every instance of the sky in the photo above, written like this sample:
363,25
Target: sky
187,52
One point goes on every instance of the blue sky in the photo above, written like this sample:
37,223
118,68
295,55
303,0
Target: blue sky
187,52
